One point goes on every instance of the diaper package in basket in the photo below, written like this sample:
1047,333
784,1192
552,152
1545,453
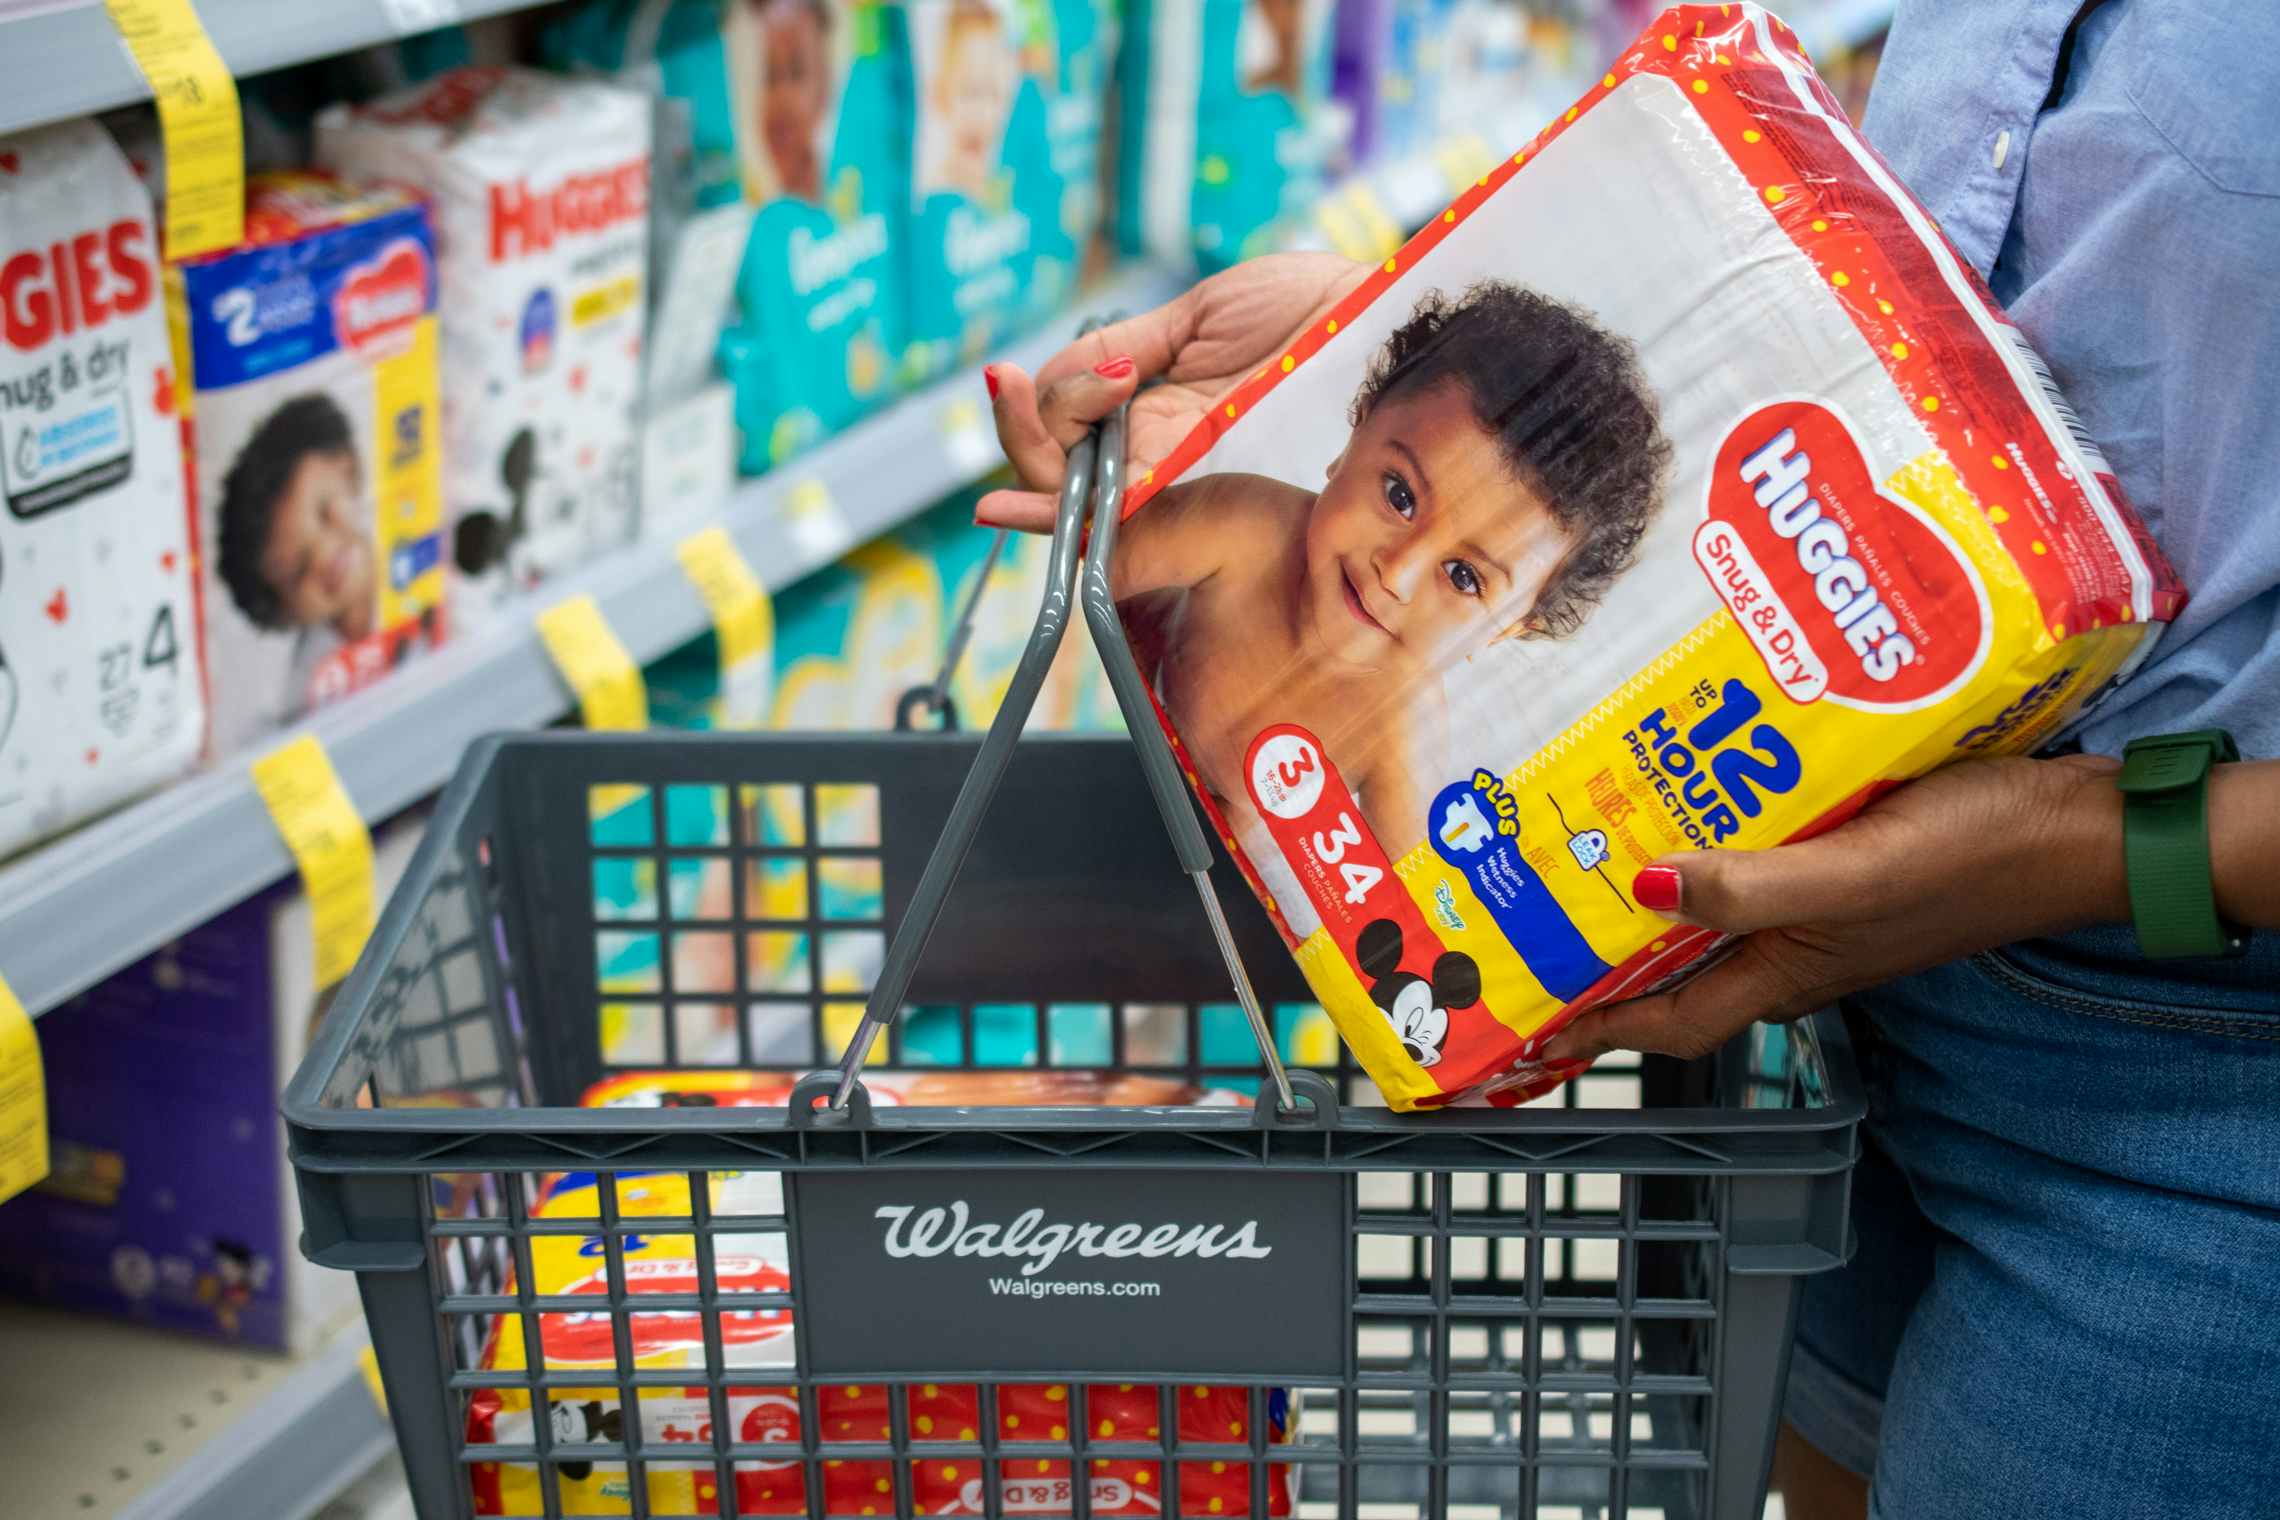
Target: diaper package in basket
99,662
540,195
760,1339
1678,488
315,431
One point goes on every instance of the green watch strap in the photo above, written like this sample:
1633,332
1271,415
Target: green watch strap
2165,835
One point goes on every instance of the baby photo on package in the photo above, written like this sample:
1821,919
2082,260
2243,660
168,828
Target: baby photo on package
313,356
821,134
1678,488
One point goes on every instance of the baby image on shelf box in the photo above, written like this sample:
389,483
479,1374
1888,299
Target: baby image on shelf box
1008,102
538,187
313,369
1695,525
822,148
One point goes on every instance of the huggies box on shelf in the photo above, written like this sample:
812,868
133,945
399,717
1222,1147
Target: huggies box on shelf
1678,488
100,695
315,435
539,190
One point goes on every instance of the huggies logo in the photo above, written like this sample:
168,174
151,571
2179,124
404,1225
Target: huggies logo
381,299
949,1231
1844,591
526,221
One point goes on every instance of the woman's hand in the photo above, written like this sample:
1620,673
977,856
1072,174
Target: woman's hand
1968,858
1200,345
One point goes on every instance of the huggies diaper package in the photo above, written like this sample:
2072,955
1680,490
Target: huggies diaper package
539,189
1678,488
316,440
99,658
760,1340
818,97
1225,124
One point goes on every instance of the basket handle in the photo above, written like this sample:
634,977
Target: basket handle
1157,762
981,784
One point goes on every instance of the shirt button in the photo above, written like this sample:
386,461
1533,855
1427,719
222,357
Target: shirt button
2002,146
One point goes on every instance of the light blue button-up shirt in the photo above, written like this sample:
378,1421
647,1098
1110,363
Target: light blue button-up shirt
2132,230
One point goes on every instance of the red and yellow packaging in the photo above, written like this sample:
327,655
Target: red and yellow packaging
761,1339
1678,488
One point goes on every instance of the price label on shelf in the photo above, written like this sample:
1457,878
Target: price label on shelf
197,119
330,844
973,447
743,618
595,664
23,1100
814,520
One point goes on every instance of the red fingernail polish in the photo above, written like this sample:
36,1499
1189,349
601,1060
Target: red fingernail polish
1114,369
1656,888
989,378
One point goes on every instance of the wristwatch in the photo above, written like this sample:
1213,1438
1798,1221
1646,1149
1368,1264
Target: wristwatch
2165,841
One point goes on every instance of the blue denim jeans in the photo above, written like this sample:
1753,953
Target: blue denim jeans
2066,1298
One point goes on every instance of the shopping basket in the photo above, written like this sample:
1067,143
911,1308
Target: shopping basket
1582,1307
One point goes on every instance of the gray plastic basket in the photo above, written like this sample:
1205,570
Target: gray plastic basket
1582,1307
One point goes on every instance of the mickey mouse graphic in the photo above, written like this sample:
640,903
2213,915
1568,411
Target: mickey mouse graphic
581,1424
1417,1009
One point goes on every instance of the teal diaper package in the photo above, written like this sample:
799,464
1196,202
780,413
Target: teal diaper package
799,107
1226,126
1007,101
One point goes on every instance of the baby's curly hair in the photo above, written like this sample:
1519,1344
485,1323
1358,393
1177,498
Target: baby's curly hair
1568,403
257,479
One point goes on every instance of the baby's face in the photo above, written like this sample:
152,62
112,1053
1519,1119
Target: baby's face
319,555
1424,544
974,91
795,94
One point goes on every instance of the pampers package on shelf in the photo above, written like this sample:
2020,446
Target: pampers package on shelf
1009,97
100,694
759,1340
539,190
316,439
1694,527
1226,126
171,1200
819,118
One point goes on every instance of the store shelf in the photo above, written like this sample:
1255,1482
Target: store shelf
59,60
122,1423
99,899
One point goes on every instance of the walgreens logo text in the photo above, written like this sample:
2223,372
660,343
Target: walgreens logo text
950,1231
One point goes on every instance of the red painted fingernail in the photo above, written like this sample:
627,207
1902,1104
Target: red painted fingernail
989,378
1114,369
1656,888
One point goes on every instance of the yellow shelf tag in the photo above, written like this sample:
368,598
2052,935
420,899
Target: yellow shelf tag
599,671
330,844
23,1100
197,119
742,616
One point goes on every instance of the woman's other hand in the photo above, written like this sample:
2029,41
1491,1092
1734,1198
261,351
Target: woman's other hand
1199,345
1965,859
